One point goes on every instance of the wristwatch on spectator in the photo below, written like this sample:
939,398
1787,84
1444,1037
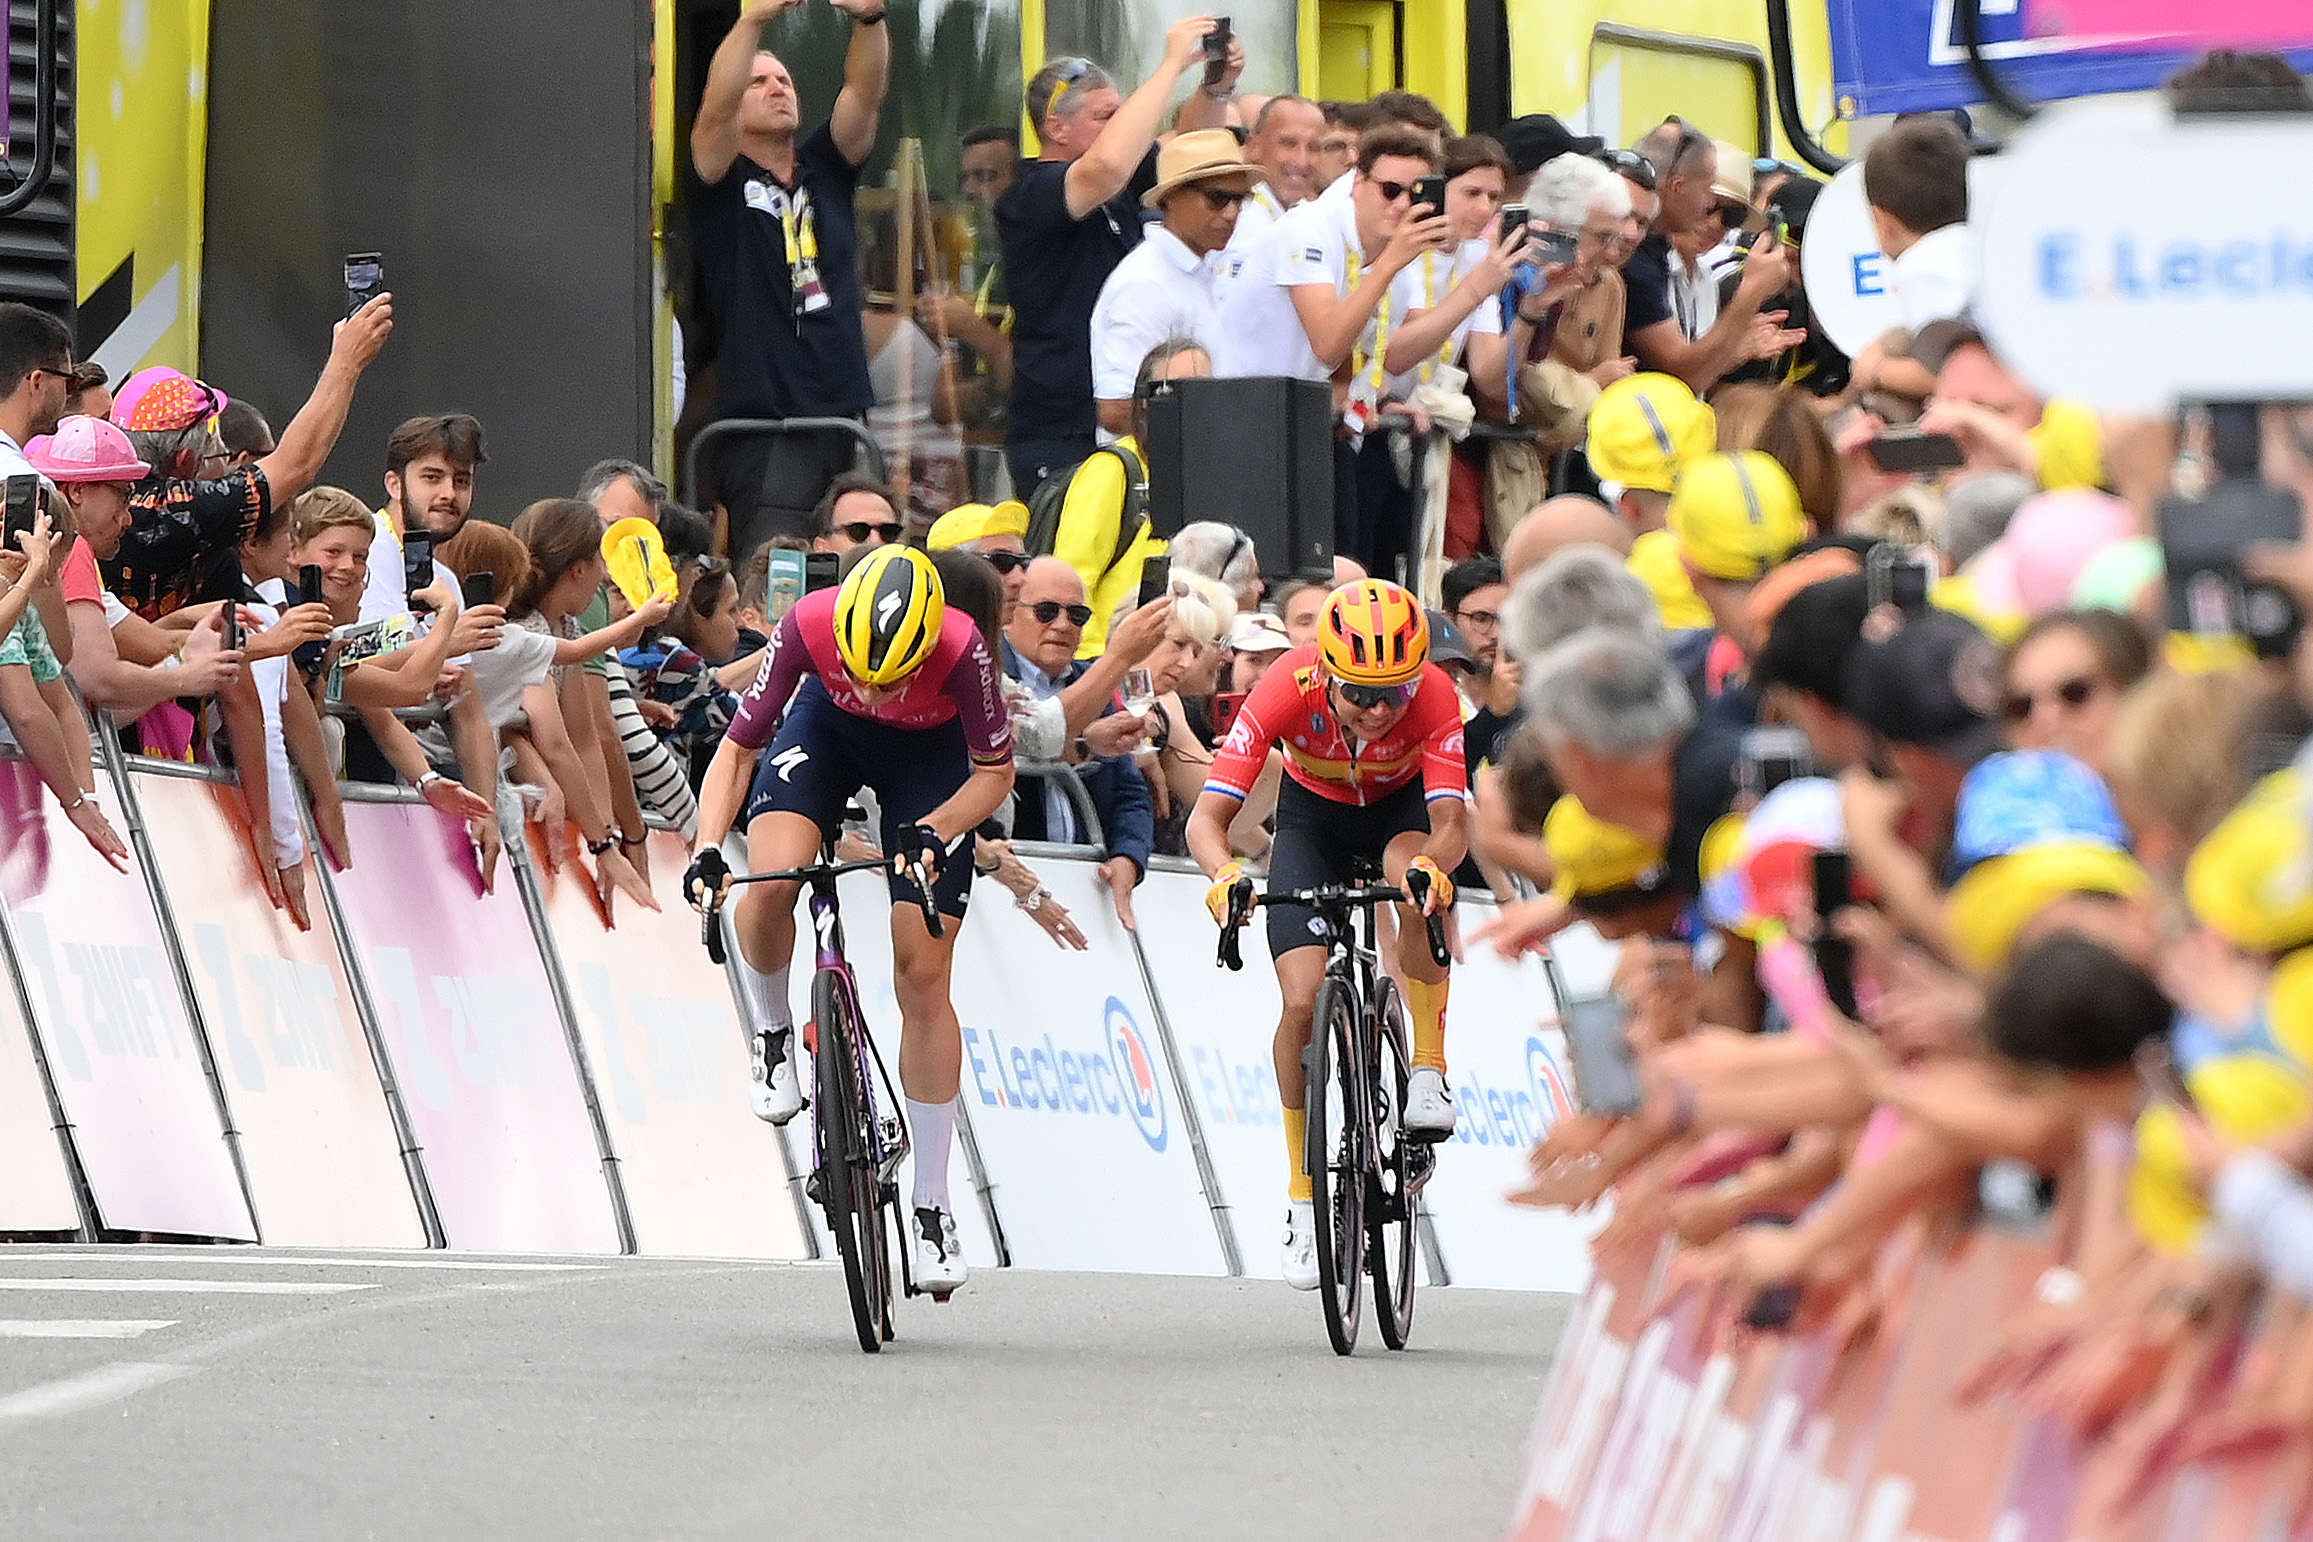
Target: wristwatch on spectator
597,848
428,780
625,840
1082,748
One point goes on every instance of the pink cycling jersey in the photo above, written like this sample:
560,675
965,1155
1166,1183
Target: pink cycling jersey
958,682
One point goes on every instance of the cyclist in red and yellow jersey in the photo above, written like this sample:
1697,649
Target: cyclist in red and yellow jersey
1372,737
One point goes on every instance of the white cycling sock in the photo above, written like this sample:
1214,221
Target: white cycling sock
767,1000
932,1129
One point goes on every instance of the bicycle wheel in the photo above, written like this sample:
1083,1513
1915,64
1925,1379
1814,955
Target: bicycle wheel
848,1189
1337,1156
1389,1203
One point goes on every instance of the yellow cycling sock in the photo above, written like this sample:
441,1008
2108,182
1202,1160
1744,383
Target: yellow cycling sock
1426,1001
1297,1152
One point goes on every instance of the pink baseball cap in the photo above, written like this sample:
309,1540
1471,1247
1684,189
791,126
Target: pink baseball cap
2055,535
86,450
160,399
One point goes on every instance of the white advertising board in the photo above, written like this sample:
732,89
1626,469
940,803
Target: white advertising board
2134,259
1066,1084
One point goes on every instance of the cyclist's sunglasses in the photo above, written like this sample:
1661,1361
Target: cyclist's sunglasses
1367,697
1007,561
1048,611
863,531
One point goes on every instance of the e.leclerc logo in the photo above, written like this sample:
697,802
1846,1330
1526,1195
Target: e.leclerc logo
1118,1077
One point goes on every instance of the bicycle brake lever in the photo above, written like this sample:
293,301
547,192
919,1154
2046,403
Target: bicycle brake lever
710,932
1232,955
1440,954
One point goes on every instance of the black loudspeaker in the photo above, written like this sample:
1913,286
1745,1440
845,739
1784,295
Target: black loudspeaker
1255,453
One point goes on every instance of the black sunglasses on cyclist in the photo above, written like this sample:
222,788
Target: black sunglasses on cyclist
861,531
1632,165
1048,611
1367,697
1007,561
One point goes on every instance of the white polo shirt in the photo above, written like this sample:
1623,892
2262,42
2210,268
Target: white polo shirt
1161,289
1261,332
1256,217
1936,277
1424,284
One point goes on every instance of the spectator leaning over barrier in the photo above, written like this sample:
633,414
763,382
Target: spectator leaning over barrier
1165,288
1103,530
1686,168
566,571
779,251
192,512
41,715
121,662
1040,652
1070,218
604,715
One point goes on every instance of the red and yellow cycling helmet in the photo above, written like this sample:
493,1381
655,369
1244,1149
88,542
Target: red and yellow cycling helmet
1373,633
888,615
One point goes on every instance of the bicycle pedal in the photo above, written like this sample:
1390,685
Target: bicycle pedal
815,1187
1421,1165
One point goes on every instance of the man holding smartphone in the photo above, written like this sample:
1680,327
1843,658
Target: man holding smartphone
778,246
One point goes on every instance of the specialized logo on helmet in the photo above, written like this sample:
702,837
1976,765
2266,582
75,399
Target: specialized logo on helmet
886,608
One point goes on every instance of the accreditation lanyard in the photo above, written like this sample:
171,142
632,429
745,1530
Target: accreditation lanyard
1380,332
801,233
1430,301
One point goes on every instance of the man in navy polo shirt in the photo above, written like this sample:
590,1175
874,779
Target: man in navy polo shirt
772,217
1068,220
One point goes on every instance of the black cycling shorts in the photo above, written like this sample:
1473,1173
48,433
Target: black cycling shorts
824,755
1321,841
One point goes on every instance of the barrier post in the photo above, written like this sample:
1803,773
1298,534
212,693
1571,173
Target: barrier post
357,983
107,743
517,853
1192,1119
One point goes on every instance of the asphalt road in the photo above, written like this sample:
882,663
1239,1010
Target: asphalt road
161,1393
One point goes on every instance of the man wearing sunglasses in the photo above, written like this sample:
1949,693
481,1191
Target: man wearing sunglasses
1070,217
1371,732
1166,286
1686,165
1040,645
856,510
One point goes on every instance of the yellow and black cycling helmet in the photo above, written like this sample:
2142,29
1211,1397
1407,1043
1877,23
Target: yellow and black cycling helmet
1373,633
888,615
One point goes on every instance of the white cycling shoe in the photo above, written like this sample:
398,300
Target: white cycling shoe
775,1090
940,1265
1429,1107
1299,1262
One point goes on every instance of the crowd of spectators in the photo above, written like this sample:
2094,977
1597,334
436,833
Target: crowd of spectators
1700,637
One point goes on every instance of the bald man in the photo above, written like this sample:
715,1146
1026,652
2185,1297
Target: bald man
1570,519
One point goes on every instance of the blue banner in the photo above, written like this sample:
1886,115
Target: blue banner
1891,56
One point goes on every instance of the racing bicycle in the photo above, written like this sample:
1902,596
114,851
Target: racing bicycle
1365,1172
858,1146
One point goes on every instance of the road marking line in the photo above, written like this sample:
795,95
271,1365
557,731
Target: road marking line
294,1261
71,1394
188,1287
81,1327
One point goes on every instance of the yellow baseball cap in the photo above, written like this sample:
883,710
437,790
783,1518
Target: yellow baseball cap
2251,880
977,521
1736,515
1654,560
2244,1097
1645,427
2070,444
637,558
2289,1005
1594,857
2000,896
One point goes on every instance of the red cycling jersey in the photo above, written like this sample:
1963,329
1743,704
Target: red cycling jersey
1289,709
957,681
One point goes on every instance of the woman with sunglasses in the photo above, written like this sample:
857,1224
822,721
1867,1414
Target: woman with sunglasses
876,683
1372,736
2064,680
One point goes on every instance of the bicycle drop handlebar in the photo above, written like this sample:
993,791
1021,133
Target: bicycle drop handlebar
712,935
1325,897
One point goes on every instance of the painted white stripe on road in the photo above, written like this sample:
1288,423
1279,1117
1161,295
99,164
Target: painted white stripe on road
105,1384
81,1328
188,1287
294,1261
